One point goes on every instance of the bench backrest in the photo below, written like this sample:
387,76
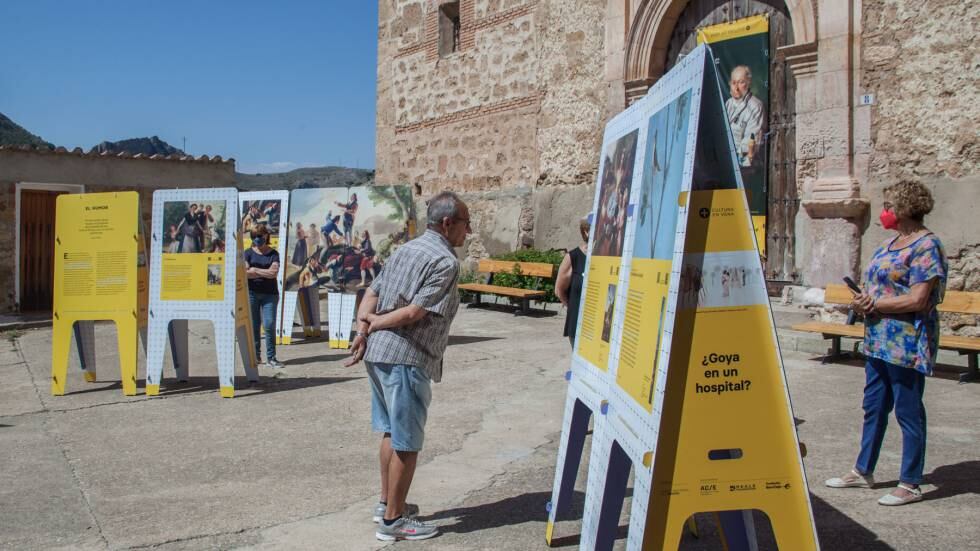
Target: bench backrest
535,269
958,302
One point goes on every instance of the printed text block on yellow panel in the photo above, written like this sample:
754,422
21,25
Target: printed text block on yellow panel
96,246
598,308
723,213
642,328
734,398
192,276
736,29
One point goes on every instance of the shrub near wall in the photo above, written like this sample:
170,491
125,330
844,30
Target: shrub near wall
552,256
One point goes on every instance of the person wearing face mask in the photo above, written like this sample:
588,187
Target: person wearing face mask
904,283
262,263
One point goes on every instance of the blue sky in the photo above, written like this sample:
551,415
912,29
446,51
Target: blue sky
276,85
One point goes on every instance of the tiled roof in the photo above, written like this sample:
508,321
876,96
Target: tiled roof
122,155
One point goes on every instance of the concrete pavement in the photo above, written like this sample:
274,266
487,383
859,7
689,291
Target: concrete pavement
291,463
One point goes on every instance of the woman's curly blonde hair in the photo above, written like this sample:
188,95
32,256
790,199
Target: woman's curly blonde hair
910,199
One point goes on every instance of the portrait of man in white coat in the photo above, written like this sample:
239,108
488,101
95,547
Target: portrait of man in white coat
746,114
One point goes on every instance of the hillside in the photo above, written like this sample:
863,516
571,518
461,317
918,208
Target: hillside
147,146
12,133
325,176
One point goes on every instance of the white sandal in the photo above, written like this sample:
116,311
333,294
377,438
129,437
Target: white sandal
852,480
915,494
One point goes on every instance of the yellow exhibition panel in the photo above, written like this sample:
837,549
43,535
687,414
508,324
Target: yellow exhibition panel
734,399
96,276
598,306
646,306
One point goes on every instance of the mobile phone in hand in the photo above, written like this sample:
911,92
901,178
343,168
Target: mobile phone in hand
852,286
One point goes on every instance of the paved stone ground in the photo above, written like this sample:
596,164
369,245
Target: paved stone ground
291,463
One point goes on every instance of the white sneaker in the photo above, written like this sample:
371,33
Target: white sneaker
406,529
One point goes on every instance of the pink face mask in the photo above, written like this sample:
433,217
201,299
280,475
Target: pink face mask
888,219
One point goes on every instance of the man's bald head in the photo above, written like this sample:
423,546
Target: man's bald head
741,81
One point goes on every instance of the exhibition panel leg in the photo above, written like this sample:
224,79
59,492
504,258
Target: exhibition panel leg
285,326
246,347
305,312
613,497
142,331
178,332
62,330
574,444
159,329
126,335
738,530
84,332
599,464
224,339
313,301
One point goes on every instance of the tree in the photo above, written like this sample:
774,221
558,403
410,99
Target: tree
397,198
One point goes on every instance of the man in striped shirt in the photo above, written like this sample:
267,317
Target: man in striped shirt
402,331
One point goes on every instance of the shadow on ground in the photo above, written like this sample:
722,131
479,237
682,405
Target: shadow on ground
323,358
534,312
835,529
469,339
950,481
531,507
268,385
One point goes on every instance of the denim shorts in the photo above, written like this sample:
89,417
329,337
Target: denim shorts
400,396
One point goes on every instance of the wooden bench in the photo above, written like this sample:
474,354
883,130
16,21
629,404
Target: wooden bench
957,302
538,270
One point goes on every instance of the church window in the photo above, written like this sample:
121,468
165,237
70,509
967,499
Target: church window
448,28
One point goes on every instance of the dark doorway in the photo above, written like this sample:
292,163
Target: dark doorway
783,196
37,215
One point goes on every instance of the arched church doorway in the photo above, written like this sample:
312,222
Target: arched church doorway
783,195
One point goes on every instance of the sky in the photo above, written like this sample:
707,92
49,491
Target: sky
275,85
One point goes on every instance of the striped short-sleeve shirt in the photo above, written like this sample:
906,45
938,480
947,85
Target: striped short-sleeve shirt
423,272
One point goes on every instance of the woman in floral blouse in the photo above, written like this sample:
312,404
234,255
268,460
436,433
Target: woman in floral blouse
904,283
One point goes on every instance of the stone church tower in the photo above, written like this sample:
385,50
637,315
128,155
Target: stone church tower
505,102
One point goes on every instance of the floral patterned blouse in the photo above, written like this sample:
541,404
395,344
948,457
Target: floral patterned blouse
912,339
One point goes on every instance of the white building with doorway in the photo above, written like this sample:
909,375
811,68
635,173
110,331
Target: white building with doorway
31,179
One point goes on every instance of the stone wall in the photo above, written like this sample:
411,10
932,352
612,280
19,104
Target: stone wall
97,174
513,120
921,62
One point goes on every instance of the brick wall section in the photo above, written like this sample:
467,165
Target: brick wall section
469,26
472,113
524,90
